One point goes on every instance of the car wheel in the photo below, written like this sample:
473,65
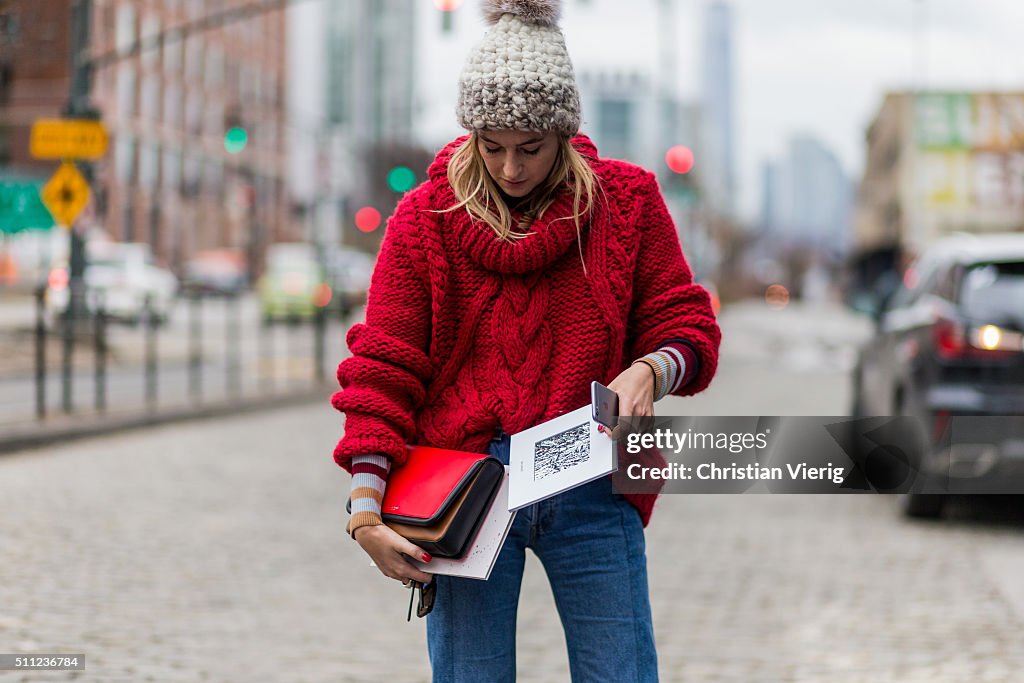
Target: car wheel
921,505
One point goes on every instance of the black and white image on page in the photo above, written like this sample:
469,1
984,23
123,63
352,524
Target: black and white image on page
556,456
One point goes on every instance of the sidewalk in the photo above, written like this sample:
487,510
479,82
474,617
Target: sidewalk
60,429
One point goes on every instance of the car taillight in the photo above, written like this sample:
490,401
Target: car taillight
949,338
953,341
58,279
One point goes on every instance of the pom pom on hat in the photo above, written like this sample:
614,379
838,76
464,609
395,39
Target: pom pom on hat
520,77
545,12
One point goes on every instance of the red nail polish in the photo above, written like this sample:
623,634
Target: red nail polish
600,428
426,557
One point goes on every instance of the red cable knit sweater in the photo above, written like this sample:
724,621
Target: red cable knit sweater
465,333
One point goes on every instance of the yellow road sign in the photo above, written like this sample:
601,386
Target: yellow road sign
68,139
66,194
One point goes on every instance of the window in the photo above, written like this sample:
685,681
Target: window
172,168
124,159
194,113
172,105
125,33
126,91
213,177
149,155
150,29
172,56
214,66
194,57
995,291
149,103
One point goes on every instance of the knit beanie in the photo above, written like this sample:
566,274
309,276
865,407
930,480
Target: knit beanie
519,76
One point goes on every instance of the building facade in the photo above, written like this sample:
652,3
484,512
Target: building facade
807,197
938,163
718,154
356,61
167,92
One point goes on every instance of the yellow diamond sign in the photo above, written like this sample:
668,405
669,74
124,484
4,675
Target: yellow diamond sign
66,194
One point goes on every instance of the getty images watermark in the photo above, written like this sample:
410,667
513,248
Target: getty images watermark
676,454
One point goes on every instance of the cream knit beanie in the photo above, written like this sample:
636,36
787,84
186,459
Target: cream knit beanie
519,76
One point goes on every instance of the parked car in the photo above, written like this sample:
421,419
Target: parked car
949,343
222,272
121,277
293,285
348,272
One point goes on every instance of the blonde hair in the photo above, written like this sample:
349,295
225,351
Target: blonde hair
477,192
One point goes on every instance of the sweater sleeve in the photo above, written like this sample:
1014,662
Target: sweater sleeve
667,304
674,364
383,381
369,479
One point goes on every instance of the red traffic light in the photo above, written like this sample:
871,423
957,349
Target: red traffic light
679,159
447,5
367,219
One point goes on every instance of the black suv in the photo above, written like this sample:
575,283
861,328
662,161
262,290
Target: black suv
950,344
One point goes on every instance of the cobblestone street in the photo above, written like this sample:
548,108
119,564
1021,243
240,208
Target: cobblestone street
215,551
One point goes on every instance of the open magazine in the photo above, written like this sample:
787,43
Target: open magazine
556,456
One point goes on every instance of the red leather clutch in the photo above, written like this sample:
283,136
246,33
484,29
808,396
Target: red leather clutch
439,497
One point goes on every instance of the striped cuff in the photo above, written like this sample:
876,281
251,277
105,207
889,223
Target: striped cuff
369,477
674,365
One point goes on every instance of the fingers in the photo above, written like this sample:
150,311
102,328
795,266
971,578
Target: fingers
391,554
410,572
412,550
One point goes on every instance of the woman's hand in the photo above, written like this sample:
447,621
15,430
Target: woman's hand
635,389
389,552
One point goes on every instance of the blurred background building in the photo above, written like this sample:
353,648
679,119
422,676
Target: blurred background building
352,112
717,152
807,197
942,162
167,100
937,163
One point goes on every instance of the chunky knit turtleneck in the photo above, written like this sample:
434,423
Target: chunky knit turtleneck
465,333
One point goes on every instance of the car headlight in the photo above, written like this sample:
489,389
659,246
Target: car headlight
995,338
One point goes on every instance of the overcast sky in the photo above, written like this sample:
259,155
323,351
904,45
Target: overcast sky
801,66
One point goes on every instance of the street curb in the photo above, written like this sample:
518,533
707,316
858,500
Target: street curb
40,436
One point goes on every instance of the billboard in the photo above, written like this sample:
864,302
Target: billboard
970,150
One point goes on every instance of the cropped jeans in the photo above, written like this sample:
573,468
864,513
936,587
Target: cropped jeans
591,544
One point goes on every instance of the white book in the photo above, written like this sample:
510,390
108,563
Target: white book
556,456
478,561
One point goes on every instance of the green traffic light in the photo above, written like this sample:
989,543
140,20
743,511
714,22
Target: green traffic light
401,179
235,140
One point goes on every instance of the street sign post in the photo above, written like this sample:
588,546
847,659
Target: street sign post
66,194
68,139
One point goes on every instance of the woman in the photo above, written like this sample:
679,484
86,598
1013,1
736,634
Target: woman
523,268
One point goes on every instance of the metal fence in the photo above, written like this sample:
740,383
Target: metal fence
211,349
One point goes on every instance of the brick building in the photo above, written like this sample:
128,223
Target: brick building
167,178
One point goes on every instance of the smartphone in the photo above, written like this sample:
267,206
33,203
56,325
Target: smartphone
605,404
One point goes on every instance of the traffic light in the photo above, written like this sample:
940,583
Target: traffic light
679,158
447,7
401,179
236,137
681,184
368,219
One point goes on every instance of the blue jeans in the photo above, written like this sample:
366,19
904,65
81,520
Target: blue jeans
591,543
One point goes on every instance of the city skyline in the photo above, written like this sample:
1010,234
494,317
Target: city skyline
801,67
